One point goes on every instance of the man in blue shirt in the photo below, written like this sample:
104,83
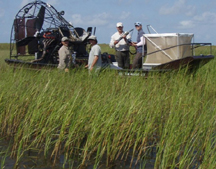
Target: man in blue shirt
137,61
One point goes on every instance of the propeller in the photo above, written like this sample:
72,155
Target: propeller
40,19
37,26
25,41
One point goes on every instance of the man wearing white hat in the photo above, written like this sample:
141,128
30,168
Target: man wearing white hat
64,55
94,61
120,42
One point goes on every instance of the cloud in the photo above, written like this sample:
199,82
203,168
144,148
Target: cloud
95,20
100,19
186,24
77,19
165,10
206,17
179,7
124,15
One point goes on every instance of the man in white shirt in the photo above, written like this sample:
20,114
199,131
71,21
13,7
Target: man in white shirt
120,42
94,61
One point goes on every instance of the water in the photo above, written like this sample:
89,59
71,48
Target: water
42,163
36,160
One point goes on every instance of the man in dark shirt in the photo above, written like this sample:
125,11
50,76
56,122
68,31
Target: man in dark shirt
137,61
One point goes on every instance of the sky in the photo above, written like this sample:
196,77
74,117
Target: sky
165,16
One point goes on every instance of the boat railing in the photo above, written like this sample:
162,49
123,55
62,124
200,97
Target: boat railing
149,26
193,47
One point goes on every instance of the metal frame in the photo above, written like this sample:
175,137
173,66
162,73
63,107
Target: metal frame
52,18
193,46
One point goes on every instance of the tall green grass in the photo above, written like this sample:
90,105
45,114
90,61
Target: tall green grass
167,119
4,46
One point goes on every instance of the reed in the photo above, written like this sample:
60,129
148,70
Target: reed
167,118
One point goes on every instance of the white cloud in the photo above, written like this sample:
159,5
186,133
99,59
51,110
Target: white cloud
186,24
166,9
77,19
206,17
179,7
95,20
124,15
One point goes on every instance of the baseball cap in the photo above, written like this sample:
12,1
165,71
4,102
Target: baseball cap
64,39
119,24
138,24
92,37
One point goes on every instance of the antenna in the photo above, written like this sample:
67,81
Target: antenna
152,29
94,30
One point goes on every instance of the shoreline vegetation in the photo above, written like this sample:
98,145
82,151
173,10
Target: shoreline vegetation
165,121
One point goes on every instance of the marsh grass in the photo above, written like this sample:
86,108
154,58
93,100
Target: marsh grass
5,46
168,118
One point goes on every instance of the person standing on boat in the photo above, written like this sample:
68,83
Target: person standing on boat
137,61
64,55
94,61
121,42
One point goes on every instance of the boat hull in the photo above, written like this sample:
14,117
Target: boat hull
191,62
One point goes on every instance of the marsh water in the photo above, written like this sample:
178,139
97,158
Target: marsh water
35,160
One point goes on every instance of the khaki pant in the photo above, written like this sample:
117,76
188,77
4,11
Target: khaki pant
123,59
137,61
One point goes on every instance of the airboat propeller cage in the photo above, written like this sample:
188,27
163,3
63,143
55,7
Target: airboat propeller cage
166,47
33,21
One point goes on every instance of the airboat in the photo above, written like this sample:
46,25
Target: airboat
38,28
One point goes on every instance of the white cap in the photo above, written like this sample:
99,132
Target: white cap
92,37
119,24
64,39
